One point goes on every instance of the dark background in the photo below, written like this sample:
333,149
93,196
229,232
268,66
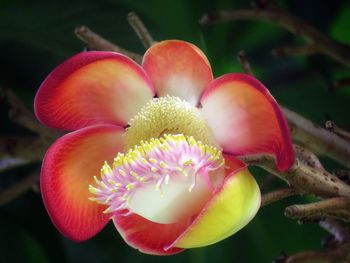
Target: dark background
35,36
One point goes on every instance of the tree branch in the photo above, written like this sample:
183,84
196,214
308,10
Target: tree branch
317,139
7,163
303,178
340,234
330,125
140,30
337,248
277,195
307,157
21,115
94,41
31,149
320,42
343,175
19,188
242,58
336,208
307,49
315,256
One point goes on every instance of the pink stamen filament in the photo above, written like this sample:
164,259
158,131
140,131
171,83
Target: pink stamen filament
156,161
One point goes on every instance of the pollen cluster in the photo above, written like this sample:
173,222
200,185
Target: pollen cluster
168,115
156,162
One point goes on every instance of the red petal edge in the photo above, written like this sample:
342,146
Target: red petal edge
284,154
67,170
178,68
92,88
149,237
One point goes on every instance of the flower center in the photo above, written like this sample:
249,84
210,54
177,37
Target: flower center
168,115
163,180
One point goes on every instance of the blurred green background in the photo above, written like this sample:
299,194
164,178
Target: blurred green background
35,36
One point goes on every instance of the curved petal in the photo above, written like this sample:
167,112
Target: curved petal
232,207
92,88
167,204
246,119
68,168
178,68
147,236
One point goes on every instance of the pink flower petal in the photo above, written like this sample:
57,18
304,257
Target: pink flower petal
162,239
92,88
68,168
246,119
178,68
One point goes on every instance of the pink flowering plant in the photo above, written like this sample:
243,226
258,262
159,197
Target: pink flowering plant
155,148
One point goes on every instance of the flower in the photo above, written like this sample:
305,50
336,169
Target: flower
168,137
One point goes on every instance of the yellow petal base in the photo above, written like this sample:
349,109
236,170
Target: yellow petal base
229,211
